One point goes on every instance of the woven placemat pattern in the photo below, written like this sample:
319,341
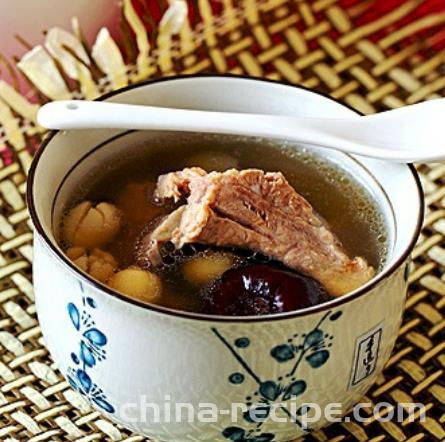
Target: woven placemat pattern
373,66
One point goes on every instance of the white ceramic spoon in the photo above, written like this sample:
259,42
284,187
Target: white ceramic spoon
408,134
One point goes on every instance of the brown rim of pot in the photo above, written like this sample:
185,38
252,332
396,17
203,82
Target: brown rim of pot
336,302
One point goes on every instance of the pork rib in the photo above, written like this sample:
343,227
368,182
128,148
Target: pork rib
259,211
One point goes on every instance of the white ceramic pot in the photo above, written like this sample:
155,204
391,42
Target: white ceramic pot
124,356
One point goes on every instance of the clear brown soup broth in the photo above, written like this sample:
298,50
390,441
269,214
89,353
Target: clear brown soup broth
346,205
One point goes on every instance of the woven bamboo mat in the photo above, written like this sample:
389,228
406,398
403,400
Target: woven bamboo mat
372,65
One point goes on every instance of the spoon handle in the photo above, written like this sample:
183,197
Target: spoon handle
78,114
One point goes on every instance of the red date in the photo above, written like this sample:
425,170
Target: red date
261,289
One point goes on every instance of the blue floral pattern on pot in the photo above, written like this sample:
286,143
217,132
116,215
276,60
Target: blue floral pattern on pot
91,351
311,348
